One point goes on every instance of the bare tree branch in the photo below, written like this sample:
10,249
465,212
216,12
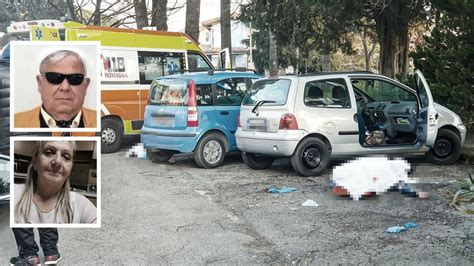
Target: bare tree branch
175,8
54,6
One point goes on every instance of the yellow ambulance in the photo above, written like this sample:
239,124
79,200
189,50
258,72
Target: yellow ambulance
130,60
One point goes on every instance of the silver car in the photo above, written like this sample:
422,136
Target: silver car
312,118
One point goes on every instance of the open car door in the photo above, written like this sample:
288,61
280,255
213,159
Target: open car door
427,122
225,61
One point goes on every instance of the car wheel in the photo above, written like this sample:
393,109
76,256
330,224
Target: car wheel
446,149
256,161
159,156
210,151
310,157
112,135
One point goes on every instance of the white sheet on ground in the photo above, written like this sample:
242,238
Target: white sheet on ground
370,174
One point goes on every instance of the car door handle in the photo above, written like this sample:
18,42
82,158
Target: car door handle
224,112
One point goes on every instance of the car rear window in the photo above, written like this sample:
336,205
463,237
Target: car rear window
273,90
169,92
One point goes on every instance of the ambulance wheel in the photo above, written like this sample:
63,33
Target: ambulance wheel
210,151
446,149
310,157
257,162
112,135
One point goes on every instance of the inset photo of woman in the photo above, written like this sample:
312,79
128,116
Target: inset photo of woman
56,182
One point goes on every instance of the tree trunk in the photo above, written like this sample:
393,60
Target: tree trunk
70,10
367,53
226,40
159,18
141,13
273,62
325,57
192,19
97,14
392,31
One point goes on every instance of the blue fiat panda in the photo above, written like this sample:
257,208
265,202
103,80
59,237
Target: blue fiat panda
195,112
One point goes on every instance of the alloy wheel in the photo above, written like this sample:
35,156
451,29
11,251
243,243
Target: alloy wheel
108,136
212,151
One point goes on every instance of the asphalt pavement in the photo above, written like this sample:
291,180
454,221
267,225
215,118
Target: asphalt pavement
180,214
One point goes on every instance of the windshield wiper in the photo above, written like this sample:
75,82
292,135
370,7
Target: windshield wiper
261,103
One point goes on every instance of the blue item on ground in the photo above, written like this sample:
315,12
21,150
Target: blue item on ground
282,190
396,229
410,225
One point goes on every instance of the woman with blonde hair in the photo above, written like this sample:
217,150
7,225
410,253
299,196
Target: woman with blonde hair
46,196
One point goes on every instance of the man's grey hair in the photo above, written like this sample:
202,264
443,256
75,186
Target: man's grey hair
59,55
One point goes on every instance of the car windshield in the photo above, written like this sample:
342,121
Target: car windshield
171,92
275,91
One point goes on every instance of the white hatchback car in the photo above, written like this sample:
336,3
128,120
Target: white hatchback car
312,118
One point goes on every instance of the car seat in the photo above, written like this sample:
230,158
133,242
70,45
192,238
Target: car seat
339,96
315,95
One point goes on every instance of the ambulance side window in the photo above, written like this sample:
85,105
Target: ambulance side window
197,62
157,64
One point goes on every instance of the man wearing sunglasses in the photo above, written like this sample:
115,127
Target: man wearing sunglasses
62,84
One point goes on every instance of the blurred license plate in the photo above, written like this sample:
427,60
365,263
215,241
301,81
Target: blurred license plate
258,124
164,121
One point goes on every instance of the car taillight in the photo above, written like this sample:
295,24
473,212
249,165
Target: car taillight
192,106
238,120
288,121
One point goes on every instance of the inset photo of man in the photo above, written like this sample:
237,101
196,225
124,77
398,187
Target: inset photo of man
55,86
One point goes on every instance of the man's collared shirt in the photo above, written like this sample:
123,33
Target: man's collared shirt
51,123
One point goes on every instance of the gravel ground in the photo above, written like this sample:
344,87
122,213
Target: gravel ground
180,214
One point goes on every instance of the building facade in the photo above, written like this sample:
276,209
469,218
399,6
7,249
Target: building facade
210,42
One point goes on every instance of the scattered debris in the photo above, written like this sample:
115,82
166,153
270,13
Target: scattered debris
410,225
282,190
310,203
234,218
204,193
201,192
137,151
398,229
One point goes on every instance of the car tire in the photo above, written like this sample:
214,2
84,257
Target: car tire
210,151
446,149
111,135
311,157
160,156
257,162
